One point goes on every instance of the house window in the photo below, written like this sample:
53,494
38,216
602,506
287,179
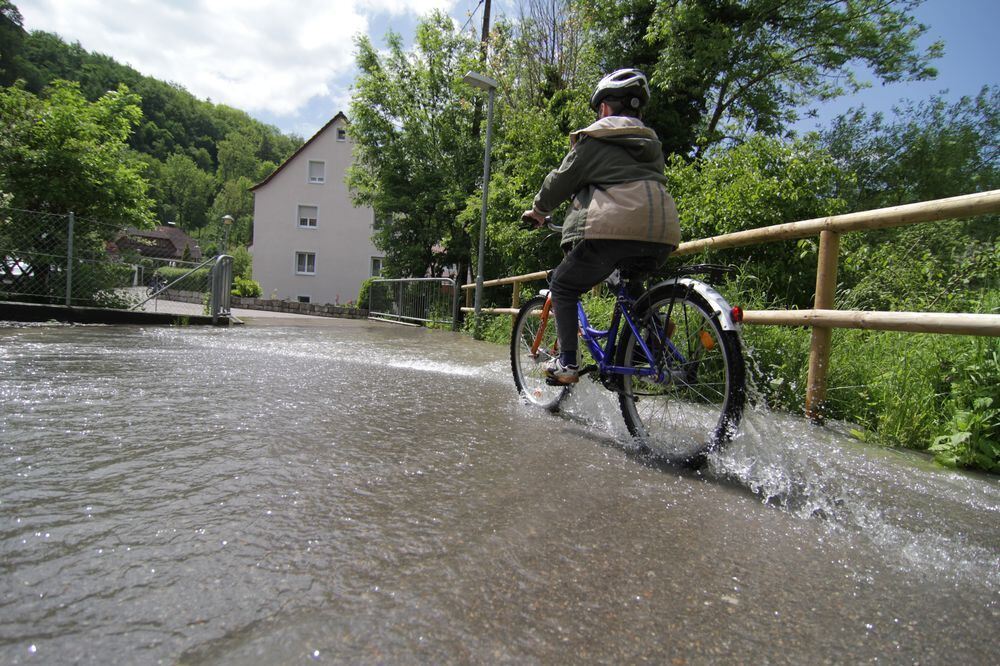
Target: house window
317,171
305,263
308,216
376,266
341,134
304,299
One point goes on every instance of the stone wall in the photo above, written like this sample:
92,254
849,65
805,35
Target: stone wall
294,307
182,296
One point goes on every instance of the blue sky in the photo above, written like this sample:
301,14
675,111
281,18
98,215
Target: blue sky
291,64
971,60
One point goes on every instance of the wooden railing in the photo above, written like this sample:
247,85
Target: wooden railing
824,317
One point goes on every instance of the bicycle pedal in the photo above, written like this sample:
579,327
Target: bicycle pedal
587,369
552,381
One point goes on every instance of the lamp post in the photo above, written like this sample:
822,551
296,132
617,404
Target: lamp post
227,221
489,85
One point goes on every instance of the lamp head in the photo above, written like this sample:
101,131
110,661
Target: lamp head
479,81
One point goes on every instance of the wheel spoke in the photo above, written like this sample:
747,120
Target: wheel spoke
684,415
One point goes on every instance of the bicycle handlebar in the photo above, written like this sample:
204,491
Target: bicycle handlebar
528,224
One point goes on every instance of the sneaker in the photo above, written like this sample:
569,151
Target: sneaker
557,373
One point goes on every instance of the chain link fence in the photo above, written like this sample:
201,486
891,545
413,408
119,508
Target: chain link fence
67,260
413,300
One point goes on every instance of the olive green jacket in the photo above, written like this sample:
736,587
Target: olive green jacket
614,174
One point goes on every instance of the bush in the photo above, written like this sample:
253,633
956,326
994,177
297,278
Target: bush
242,262
365,293
246,287
197,280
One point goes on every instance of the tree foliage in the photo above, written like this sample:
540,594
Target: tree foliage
416,161
930,150
727,68
193,150
61,153
762,182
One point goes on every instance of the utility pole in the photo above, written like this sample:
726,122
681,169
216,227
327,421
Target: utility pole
484,40
477,118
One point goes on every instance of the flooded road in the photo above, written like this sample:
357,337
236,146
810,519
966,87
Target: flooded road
355,492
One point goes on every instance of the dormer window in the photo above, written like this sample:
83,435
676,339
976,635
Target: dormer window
317,171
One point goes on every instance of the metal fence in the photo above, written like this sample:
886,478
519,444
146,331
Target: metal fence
67,260
413,300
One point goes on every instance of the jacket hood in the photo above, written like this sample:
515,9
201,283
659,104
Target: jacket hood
629,133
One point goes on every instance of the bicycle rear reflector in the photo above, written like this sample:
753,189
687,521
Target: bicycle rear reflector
737,314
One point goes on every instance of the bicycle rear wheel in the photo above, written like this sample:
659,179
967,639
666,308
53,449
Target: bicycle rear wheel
527,366
696,403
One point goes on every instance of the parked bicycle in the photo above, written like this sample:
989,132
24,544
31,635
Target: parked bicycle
672,354
156,284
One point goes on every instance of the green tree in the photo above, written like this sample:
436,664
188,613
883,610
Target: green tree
61,153
931,150
761,182
11,41
234,199
727,68
238,155
184,192
416,160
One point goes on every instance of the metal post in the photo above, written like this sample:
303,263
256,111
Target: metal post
819,351
221,288
486,195
69,260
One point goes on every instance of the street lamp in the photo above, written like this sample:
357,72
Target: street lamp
489,85
227,221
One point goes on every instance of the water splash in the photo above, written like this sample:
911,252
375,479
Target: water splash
928,517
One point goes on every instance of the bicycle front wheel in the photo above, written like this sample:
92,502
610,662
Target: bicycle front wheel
695,402
535,325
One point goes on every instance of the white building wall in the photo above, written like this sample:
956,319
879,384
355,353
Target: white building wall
341,239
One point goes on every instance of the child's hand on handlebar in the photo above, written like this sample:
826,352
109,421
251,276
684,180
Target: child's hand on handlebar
532,220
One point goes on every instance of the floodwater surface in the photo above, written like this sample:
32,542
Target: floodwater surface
358,492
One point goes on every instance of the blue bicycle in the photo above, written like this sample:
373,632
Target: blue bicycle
672,354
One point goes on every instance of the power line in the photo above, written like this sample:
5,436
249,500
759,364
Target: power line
471,16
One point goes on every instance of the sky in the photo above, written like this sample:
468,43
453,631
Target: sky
290,64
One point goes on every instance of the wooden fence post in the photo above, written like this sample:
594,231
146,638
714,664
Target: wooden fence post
819,349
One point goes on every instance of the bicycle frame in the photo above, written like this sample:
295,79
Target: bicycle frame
602,356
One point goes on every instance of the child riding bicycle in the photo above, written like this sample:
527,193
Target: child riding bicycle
621,213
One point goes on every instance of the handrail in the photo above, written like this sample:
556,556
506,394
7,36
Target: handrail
824,317
162,289
966,205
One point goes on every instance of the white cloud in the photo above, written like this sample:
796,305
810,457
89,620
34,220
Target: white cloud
256,55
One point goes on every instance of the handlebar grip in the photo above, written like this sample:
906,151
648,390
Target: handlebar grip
529,223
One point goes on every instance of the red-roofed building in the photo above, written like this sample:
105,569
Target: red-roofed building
164,242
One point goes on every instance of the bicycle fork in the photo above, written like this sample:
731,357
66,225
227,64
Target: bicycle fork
544,317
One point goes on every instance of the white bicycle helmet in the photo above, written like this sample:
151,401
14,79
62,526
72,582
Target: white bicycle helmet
624,83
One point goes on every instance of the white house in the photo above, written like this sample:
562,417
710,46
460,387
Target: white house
310,244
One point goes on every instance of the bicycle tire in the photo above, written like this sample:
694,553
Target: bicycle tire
698,407
527,369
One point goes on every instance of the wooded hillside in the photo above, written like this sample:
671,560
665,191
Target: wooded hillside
199,157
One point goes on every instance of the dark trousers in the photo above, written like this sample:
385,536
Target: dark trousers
587,264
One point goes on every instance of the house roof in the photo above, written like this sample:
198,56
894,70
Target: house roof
173,236
340,115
